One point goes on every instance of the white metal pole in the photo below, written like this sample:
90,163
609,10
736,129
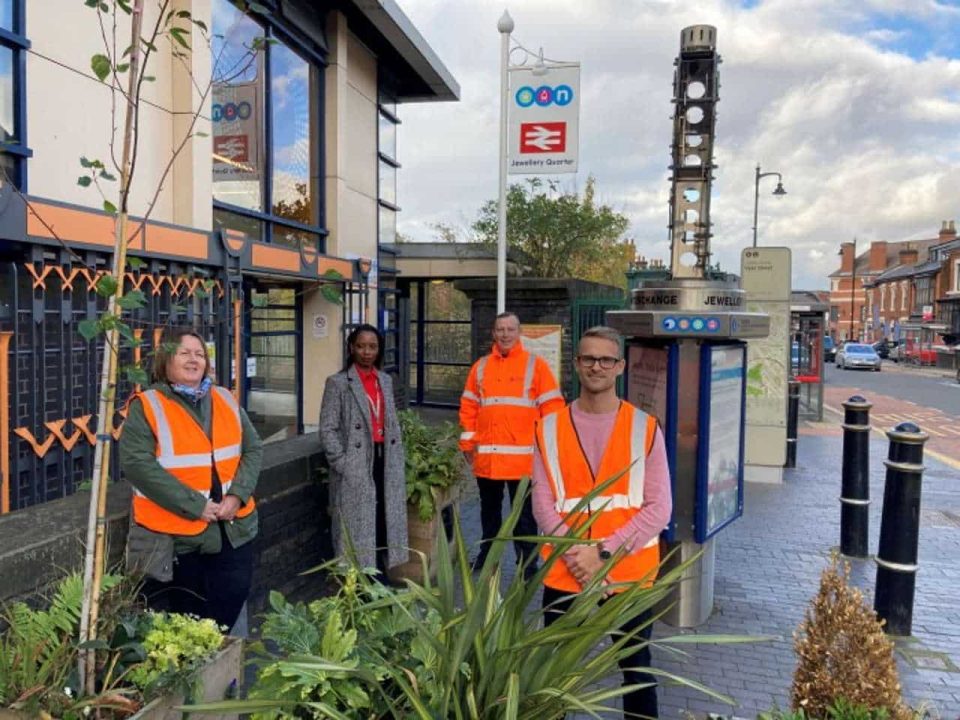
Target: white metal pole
505,26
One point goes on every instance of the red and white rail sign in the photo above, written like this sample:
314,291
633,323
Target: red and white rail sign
543,137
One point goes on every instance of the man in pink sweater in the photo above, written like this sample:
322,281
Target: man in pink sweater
594,438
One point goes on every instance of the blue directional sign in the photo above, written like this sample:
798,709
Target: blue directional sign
669,323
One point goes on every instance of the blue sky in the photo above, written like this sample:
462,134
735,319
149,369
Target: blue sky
856,102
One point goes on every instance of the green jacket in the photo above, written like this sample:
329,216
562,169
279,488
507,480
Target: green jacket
138,464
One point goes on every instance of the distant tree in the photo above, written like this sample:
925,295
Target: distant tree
563,234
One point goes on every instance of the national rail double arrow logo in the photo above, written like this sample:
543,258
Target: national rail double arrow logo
543,137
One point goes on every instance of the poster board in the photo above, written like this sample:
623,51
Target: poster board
545,341
651,385
723,380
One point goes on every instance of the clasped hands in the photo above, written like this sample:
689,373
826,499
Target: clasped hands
584,562
226,509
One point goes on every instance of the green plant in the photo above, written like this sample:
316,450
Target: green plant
176,646
433,461
37,649
462,648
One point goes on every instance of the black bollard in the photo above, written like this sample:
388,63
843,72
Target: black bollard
900,529
793,418
855,478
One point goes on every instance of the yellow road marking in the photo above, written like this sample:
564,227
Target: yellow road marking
945,459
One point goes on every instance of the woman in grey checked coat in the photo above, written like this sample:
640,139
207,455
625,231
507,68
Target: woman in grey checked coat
360,436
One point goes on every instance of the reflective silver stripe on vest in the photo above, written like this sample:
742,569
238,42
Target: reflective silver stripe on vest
470,396
505,449
467,435
164,436
481,364
634,496
205,493
504,400
528,376
551,456
638,455
226,453
228,396
548,396
184,461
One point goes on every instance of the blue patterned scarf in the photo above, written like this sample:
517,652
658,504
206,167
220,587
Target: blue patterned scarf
193,394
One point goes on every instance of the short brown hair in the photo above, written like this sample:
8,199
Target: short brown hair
603,332
167,348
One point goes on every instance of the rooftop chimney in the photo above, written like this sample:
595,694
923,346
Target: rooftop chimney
878,256
948,231
846,257
908,256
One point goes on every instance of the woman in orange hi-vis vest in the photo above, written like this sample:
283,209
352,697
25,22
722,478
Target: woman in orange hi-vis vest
595,438
193,458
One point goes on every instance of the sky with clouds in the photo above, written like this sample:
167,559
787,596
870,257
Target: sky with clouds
855,102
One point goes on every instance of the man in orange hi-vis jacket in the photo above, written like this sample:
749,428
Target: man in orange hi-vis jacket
506,393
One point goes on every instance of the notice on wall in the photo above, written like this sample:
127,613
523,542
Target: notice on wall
251,367
321,326
725,427
647,380
545,341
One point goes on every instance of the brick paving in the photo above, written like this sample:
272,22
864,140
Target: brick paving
768,566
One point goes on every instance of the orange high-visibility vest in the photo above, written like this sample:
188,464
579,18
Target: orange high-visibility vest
501,403
572,479
184,450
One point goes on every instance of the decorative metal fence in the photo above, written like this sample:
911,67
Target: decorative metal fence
50,375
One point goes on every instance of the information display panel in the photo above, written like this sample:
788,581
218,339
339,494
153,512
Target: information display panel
652,386
719,498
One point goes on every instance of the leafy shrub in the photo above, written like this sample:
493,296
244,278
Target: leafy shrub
175,647
433,463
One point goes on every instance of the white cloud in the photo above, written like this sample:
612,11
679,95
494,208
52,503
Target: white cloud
864,136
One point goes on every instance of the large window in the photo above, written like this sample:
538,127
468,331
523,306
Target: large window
272,361
13,125
266,134
387,171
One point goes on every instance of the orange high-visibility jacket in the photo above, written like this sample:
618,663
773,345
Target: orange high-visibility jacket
571,479
502,400
185,451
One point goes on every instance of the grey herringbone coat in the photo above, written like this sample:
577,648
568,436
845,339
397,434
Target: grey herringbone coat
347,441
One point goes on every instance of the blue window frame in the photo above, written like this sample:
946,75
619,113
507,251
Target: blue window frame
268,158
13,102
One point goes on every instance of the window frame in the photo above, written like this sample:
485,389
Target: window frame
16,41
386,111
314,56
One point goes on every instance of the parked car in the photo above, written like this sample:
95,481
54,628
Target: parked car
858,355
895,350
829,349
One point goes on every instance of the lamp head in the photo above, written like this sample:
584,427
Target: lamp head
779,189
505,23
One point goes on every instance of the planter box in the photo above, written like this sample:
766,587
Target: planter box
423,536
223,670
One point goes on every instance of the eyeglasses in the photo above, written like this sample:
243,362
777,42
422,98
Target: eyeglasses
606,362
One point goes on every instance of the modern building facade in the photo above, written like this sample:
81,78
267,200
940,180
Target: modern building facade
268,165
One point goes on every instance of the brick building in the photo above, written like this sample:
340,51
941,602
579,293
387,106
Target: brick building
874,288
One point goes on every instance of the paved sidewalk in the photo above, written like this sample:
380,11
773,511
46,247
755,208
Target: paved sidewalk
767,569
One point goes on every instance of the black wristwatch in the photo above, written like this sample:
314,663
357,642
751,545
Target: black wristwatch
603,552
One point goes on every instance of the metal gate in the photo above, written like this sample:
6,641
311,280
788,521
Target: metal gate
586,313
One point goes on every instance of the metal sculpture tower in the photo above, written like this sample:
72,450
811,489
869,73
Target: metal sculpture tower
696,84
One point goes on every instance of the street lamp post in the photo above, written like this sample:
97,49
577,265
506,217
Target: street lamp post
505,27
778,191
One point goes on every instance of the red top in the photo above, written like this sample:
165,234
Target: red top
371,386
